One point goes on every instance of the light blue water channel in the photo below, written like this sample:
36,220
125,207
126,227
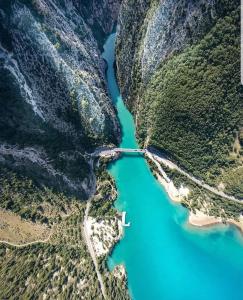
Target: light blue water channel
163,256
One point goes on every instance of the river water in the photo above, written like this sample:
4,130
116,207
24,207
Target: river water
164,257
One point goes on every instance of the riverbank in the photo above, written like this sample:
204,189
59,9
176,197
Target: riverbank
176,195
157,241
198,218
102,227
104,234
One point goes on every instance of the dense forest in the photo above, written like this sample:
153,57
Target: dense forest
59,267
192,109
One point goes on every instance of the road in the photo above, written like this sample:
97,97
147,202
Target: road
91,250
159,158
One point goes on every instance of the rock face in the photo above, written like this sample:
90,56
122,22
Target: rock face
182,23
153,30
100,15
54,101
175,66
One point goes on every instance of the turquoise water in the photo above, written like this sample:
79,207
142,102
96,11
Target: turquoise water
164,257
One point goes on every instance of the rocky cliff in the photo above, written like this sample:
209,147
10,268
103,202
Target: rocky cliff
178,67
54,102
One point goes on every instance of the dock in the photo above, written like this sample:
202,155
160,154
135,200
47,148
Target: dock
124,220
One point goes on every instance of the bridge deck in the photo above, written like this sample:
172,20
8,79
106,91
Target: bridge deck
129,150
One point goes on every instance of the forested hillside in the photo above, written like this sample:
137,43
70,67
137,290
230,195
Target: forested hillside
188,103
54,109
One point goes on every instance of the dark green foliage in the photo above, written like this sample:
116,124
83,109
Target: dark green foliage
234,182
22,196
198,196
103,201
65,253
116,287
192,106
29,272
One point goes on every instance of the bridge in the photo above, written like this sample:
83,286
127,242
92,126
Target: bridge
129,150
159,159
113,151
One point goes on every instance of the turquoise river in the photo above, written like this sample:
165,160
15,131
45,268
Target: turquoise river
164,257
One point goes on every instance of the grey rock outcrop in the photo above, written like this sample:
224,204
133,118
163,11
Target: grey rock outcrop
151,31
53,92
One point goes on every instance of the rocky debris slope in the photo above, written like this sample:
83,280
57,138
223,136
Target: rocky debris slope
54,101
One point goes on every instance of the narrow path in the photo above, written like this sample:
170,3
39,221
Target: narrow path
27,244
91,250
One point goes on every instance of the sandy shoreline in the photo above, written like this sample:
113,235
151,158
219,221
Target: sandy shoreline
170,188
198,219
